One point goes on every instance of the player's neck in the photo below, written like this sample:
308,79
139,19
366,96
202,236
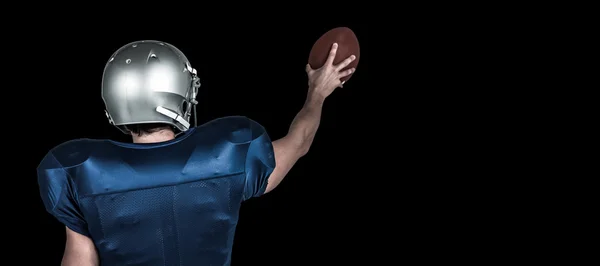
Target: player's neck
159,136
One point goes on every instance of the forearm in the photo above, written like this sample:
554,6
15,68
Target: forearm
304,126
298,140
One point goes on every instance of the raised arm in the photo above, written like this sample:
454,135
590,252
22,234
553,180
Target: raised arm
322,82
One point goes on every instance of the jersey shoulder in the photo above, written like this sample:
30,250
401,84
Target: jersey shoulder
235,129
69,153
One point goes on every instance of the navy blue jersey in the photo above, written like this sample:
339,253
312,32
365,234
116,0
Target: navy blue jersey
168,203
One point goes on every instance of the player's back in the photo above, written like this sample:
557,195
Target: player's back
169,203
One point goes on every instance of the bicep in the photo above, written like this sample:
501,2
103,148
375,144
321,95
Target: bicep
286,155
79,250
267,163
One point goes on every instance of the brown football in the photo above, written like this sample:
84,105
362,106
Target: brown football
347,46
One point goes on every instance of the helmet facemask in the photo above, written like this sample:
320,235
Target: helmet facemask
187,106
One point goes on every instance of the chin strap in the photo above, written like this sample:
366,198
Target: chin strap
174,116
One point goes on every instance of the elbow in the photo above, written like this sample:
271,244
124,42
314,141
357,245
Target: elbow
303,151
302,147
306,144
299,144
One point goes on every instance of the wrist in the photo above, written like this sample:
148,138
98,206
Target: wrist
314,98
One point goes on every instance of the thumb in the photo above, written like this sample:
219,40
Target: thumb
308,69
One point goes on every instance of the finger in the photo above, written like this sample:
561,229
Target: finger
346,62
309,69
332,53
342,84
346,72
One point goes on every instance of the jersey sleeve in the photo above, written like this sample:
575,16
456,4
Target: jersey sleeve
260,161
59,195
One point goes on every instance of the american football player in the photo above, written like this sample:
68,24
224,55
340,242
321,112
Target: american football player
171,196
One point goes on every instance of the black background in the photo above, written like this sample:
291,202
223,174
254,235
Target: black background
324,208
413,160
416,157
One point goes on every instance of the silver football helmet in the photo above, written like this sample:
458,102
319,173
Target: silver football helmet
149,82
